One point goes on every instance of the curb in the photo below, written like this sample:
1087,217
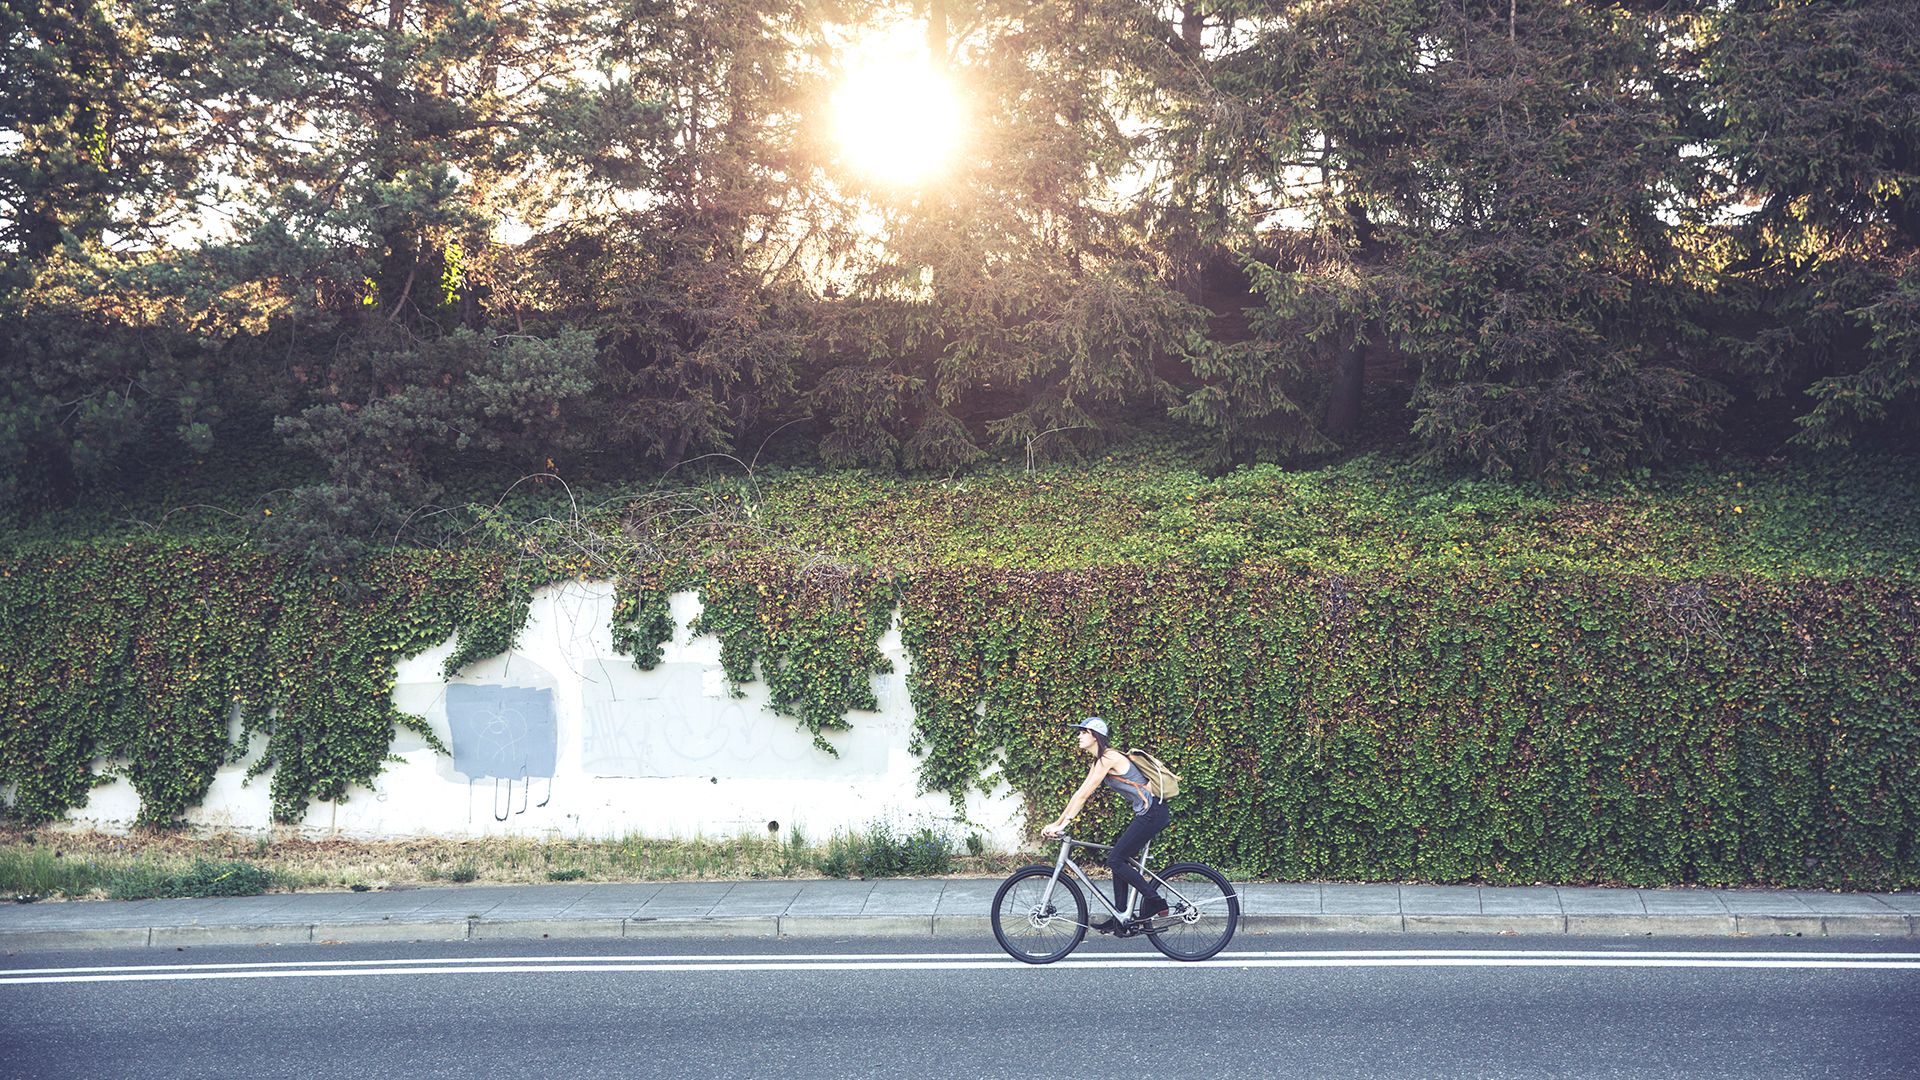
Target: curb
944,926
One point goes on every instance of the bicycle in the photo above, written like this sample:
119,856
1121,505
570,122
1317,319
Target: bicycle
1034,924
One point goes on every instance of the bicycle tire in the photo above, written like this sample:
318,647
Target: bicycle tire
1201,927
1028,933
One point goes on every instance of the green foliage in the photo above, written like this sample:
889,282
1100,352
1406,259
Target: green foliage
1373,671
642,621
812,633
570,874
147,655
882,851
1840,516
1490,213
202,878
1492,724
36,872
1813,115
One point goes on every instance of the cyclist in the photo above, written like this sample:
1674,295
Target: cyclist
1115,770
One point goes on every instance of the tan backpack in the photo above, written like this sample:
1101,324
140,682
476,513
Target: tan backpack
1162,781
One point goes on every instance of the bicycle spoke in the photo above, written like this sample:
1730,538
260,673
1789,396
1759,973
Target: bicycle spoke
1205,911
1031,924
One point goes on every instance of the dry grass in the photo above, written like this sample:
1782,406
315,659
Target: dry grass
81,864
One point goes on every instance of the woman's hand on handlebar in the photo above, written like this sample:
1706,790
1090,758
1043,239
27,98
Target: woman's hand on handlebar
1053,829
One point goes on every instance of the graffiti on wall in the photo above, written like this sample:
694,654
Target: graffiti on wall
680,720
504,734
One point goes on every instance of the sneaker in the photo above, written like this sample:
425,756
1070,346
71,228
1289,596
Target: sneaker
1107,926
1152,908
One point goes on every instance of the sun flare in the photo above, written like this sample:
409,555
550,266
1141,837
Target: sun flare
896,118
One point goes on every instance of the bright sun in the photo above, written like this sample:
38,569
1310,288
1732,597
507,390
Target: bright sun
896,118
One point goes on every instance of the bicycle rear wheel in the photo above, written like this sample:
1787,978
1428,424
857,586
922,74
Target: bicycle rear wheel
1205,911
1030,930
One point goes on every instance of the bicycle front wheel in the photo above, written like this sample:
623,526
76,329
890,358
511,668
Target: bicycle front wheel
1204,910
1033,926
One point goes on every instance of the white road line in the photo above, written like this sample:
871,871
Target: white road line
1855,961
1226,957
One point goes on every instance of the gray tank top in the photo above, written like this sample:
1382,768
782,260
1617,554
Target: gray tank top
1132,784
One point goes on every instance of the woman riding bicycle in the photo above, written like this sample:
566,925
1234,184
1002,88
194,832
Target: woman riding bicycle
1115,770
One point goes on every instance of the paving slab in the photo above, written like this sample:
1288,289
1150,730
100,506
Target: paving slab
1284,898
904,898
1843,903
1762,902
966,898
687,902
1601,902
1360,900
831,898
611,901
537,905
758,898
1439,900
78,915
454,903
1908,902
1521,900
1672,902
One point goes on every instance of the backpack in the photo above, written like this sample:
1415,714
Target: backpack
1162,781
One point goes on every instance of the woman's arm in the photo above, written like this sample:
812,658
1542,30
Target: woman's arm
1088,786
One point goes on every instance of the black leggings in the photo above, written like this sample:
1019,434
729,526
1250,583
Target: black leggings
1126,848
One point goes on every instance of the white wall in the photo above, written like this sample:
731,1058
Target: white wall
661,753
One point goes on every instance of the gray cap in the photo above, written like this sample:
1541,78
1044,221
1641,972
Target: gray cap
1093,724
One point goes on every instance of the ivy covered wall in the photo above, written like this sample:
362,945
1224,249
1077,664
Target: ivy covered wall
1502,724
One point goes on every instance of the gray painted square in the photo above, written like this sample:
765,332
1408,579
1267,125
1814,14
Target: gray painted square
501,732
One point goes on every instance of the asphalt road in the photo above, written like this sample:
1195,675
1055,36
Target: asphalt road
1271,1006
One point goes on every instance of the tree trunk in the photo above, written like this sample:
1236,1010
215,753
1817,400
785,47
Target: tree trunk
1349,379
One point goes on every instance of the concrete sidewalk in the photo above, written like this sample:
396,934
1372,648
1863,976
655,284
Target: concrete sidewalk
953,908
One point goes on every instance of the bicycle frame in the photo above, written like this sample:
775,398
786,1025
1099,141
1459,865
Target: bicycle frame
1065,862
